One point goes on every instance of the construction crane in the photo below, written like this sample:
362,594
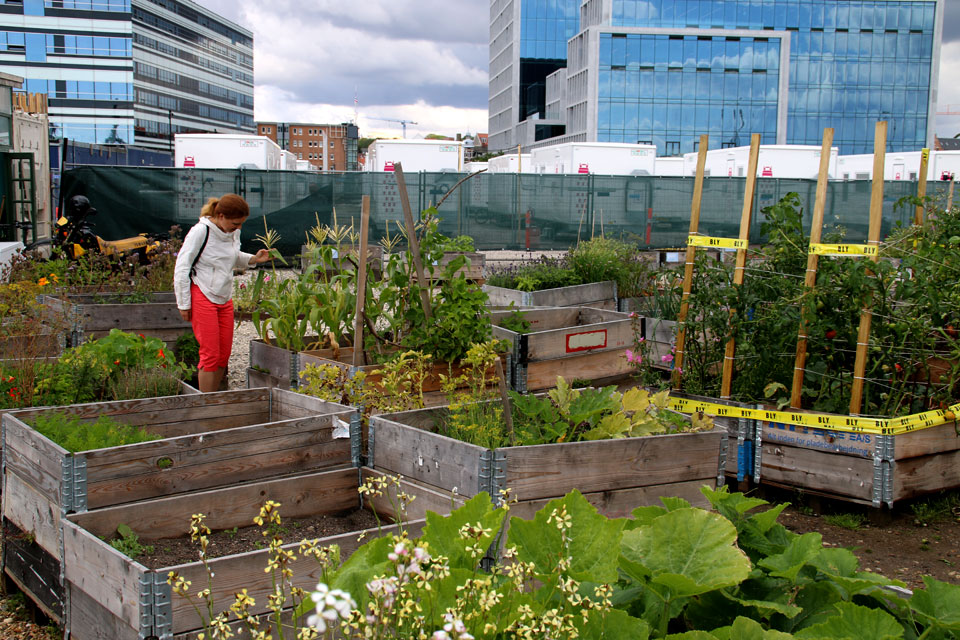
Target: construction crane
403,123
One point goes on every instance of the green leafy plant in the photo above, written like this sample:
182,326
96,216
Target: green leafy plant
128,543
516,321
77,434
851,521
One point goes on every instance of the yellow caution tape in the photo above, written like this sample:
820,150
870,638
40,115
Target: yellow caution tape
844,249
716,243
827,422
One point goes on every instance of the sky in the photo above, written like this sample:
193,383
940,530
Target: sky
424,61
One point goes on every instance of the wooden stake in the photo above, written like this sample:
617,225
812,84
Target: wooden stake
688,265
816,231
922,185
505,397
876,215
950,196
413,243
358,355
745,215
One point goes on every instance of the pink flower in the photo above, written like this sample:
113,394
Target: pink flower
633,314
266,278
633,357
243,285
666,358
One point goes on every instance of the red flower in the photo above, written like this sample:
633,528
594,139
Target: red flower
160,353
142,336
898,367
116,362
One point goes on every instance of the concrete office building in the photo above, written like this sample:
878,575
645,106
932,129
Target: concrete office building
328,147
665,71
129,71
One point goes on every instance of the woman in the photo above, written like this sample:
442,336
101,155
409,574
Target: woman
203,282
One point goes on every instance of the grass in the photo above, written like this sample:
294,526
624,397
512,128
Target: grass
851,521
944,506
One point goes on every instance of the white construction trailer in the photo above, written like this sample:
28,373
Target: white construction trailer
775,161
415,155
901,166
599,158
226,151
510,163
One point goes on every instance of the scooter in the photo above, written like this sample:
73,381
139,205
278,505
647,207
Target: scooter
74,234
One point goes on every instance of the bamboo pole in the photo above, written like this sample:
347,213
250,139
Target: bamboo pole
810,280
414,244
688,265
922,185
358,356
876,214
745,215
950,196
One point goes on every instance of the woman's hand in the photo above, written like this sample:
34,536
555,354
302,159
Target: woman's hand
261,256
185,314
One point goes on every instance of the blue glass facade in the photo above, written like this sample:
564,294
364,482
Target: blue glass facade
852,62
545,27
667,90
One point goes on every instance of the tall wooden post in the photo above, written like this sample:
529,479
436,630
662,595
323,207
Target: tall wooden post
688,265
727,380
922,185
361,283
413,243
876,215
810,280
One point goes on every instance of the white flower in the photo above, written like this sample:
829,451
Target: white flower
331,606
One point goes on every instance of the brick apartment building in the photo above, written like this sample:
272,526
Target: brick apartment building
329,147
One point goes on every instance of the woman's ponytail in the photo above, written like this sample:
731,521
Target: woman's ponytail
209,208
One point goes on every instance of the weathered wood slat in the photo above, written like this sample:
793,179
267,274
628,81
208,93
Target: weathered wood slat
587,366
90,620
425,457
300,496
620,503
571,341
925,474
32,512
830,473
38,460
552,470
940,439
107,576
858,445
256,378
603,293
427,498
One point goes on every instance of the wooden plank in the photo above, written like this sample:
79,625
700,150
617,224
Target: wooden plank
245,571
132,317
858,445
873,238
921,185
940,439
105,574
38,460
301,496
581,294
808,469
35,571
32,512
542,319
426,498
690,255
914,477
256,378
361,287
620,503
610,335
810,279
273,359
299,405
552,470
425,457
90,620
588,366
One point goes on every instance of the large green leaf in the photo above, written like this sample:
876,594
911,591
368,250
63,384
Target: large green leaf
855,622
795,557
690,551
747,629
442,533
731,505
938,604
593,540
692,635
841,565
613,625
363,565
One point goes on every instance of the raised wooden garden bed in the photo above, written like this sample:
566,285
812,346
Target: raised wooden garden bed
472,270
112,596
864,468
347,259
615,475
93,316
208,440
574,342
273,366
599,295
45,343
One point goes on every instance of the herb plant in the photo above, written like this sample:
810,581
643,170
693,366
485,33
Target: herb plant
75,434
128,543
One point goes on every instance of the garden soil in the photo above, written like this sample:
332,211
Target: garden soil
169,552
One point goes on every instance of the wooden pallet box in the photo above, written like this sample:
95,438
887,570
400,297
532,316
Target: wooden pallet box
94,315
574,342
208,440
864,468
599,295
741,438
274,366
114,597
46,343
615,475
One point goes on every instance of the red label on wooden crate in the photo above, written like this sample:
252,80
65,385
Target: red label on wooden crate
586,340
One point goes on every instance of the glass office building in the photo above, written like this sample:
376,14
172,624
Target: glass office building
666,71
130,71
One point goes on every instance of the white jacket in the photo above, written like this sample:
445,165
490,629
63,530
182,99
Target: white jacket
214,268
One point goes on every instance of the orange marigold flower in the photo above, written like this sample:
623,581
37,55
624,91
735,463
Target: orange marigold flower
54,277
43,282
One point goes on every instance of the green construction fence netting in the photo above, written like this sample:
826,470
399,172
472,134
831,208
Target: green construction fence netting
499,211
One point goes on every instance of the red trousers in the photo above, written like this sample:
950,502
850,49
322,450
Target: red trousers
213,326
